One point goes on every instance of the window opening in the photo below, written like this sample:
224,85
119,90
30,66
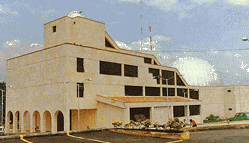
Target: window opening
80,89
147,60
155,74
168,75
229,91
110,68
80,65
194,110
179,81
54,29
133,90
108,44
194,93
181,91
152,91
171,91
131,71
139,114
178,111
230,109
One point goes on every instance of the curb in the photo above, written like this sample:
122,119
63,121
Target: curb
218,127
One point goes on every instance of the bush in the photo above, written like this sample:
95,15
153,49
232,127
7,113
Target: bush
212,117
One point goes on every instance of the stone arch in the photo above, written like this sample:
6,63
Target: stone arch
59,119
26,122
47,121
9,121
36,121
17,124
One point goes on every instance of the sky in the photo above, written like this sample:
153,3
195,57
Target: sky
202,38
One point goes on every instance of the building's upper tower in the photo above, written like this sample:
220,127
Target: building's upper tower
74,29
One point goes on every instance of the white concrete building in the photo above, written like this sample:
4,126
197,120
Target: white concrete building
82,79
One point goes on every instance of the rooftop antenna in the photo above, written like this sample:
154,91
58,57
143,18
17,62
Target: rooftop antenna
141,16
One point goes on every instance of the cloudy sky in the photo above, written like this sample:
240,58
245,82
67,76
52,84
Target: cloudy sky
202,38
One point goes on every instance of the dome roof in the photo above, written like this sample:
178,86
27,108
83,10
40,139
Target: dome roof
75,14
197,71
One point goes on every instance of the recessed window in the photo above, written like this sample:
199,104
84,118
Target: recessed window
229,91
169,91
182,92
54,29
110,68
80,89
168,75
131,71
133,91
230,109
194,94
179,81
194,110
155,74
147,60
80,65
178,111
152,91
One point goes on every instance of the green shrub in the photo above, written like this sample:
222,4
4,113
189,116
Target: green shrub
212,117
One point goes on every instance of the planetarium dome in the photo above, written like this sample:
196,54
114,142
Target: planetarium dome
197,71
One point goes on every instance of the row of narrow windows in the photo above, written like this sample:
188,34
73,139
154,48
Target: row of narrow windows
110,68
143,113
155,91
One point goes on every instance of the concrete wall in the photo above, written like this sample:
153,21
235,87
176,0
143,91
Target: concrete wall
78,30
107,114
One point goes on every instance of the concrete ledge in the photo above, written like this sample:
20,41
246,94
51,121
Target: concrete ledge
180,136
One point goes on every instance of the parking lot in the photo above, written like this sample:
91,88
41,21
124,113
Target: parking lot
228,136
93,137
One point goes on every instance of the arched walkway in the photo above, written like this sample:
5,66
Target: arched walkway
17,122
9,121
36,121
60,120
26,122
47,121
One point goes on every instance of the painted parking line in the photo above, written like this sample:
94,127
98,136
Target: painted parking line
175,141
68,134
21,137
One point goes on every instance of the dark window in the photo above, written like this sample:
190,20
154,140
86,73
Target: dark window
230,109
152,91
155,74
133,91
194,110
80,65
139,114
155,63
179,81
110,68
54,29
80,89
131,71
229,91
108,44
171,92
147,60
178,111
168,75
194,94
181,91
